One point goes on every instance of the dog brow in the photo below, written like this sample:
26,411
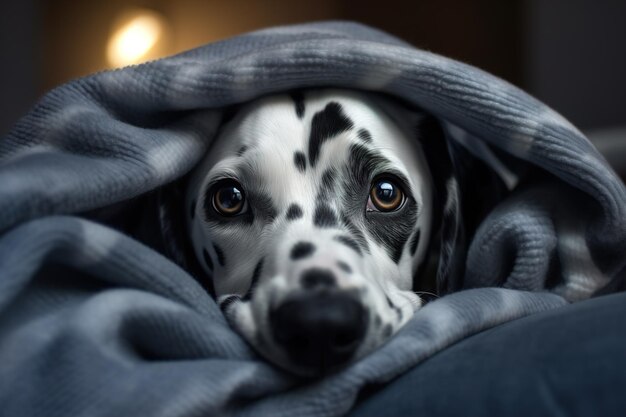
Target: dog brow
364,161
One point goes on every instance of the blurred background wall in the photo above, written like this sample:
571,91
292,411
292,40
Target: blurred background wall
569,53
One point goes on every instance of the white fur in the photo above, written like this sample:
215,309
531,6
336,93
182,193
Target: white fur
272,132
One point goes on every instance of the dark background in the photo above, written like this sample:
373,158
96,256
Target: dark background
569,53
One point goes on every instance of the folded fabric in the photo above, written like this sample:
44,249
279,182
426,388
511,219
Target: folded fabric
93,322
567,361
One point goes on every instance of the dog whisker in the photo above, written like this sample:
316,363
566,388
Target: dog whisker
420,293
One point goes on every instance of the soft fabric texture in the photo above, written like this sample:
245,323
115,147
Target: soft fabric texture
93,322
563,362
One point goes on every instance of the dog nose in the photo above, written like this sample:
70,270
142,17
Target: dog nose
319,330
316,278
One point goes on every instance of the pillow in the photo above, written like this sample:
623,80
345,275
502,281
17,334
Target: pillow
568,361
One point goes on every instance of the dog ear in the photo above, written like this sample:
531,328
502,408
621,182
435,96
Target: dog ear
465,190
446,239
171,238
157,220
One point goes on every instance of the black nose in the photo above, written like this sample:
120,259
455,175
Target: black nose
319,330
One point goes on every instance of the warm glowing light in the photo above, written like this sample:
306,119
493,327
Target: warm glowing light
134,38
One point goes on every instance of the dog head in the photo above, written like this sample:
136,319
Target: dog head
311,213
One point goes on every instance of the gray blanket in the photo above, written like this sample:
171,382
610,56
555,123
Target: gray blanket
93,322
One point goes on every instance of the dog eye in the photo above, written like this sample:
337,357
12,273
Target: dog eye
385,195
228,198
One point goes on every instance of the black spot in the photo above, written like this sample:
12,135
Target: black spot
393,229
377,320
253,281
317,278
325,125
349,242
300,161
327,185
414,242
302,250
220,255
294,212
356,232
324,216
394,307
228,301
192,211
328,178
365,135
344,267
242,150
298,99
207,259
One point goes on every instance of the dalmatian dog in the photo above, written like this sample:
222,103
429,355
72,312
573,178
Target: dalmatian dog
311,215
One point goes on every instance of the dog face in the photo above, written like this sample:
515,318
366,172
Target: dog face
311,213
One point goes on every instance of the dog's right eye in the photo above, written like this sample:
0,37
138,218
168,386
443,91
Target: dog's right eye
228,198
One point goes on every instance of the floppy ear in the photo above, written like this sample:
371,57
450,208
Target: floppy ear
465,190
174,242
446,240
157,220
166,218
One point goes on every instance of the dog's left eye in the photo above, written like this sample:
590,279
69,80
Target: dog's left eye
228,198
385,195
